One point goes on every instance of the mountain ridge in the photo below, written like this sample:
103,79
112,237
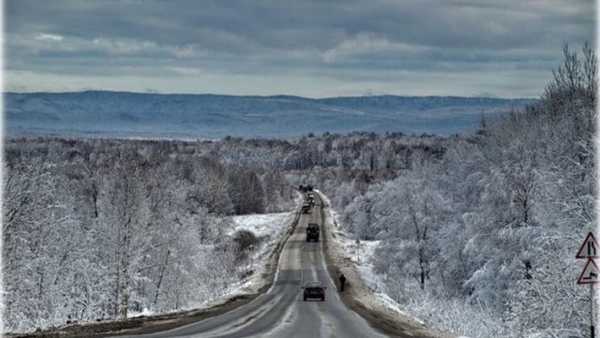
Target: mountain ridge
130,114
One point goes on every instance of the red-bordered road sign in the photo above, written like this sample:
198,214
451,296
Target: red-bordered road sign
590,273
589,247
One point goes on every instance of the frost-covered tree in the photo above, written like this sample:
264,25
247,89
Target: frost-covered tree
411,213
246,191
126,224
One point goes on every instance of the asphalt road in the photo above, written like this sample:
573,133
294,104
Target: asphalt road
281,312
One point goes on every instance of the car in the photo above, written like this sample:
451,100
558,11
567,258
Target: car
314,290
311,199
312,232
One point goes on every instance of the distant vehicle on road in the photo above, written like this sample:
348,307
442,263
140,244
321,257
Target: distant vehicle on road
306,208
311,198
305,188
312,232
314,290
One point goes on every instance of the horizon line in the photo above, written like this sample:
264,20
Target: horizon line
263,96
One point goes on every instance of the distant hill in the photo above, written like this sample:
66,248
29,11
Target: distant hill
185,116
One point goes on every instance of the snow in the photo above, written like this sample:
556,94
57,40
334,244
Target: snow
144,313
260,224
361,256
269,228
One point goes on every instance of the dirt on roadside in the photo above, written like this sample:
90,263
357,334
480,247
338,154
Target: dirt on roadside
360,299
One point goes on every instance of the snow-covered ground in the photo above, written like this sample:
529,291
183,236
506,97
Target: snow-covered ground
269,228
366,291
360,254
261,224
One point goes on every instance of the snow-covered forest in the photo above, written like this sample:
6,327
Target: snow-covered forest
101,229
478,232
481,239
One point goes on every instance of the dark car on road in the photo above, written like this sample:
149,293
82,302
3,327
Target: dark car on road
312,232
314,290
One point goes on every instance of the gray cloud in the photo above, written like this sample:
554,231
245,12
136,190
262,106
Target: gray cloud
370,42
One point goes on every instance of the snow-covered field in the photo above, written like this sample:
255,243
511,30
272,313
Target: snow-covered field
269,228
261,224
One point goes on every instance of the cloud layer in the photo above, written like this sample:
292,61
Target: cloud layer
308,48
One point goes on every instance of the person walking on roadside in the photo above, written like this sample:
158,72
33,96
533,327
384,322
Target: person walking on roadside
342,282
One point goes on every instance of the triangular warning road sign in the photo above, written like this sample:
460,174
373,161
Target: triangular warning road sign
589,248
590,273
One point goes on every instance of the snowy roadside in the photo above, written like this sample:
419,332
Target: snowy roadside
270,229
354,259
360,254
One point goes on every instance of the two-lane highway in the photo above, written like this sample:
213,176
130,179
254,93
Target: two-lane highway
281,311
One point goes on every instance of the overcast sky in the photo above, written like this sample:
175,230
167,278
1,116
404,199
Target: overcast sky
311,48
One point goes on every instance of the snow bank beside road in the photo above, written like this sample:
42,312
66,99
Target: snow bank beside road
270,229
261,224
361,255
366,291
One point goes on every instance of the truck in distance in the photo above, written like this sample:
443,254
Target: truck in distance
306,208
305,188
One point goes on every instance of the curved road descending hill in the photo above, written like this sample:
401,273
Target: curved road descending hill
281,312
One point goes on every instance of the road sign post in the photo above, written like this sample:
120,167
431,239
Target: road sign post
592,333
590,273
